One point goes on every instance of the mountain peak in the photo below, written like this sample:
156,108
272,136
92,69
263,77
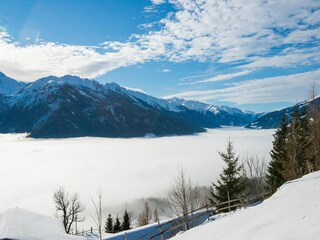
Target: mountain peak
9,86
113,86
2,74
67,79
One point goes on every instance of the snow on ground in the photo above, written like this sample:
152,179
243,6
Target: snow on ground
20,224
125,169
291,213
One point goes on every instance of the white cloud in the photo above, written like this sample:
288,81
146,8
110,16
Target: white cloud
158,2
135,89
30,62
291,88
199,30
223,77
150,9
291,57
166,70
2,29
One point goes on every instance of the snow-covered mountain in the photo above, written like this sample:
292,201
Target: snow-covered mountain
273,119
70,106
9,86
224,115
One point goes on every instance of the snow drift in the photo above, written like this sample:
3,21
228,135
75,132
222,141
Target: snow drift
20,224
291,213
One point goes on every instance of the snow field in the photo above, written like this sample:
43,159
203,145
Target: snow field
291,213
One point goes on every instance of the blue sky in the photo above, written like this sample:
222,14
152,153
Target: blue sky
252,54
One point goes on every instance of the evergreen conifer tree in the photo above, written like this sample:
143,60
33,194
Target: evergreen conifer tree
298,144
304,144
117,225
231,183
109,224
291,169
278,157
126,223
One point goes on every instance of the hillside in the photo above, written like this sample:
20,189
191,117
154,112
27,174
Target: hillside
21,224
291,213
272,119
70,106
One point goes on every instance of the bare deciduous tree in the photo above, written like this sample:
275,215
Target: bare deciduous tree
314,112
68,207
254,171
183,197
145,216
156,215
97,216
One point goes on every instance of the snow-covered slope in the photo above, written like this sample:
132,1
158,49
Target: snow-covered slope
292,213
70,106
150,100
273,119
9,86
224,115
21,224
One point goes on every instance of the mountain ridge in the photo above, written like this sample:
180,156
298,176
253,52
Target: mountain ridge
70,106
273,119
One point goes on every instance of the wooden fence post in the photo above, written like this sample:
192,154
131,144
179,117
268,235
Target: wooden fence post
159,226
208,211
185,225
229,208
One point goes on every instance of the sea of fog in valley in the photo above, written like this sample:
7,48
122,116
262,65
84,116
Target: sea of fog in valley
125,169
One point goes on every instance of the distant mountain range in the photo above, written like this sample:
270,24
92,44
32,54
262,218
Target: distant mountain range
69,106
273,119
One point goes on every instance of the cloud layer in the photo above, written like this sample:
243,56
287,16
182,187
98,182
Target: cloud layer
291,88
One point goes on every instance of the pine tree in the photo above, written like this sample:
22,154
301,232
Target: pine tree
278,157
291,170
117,225
109,224
126,223
298,142
304,143
231,184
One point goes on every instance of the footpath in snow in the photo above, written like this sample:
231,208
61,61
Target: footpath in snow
293,212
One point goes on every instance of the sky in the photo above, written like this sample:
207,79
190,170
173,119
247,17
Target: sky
260,55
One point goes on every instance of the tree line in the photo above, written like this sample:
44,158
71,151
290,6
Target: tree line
295,152
296,147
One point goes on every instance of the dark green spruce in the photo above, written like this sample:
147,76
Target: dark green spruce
109,224
117,225
279,157
126,223
231,183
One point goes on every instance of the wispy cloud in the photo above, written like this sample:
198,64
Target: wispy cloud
223,77
2,29
235,31
157,2
135,89
31,62
290,88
